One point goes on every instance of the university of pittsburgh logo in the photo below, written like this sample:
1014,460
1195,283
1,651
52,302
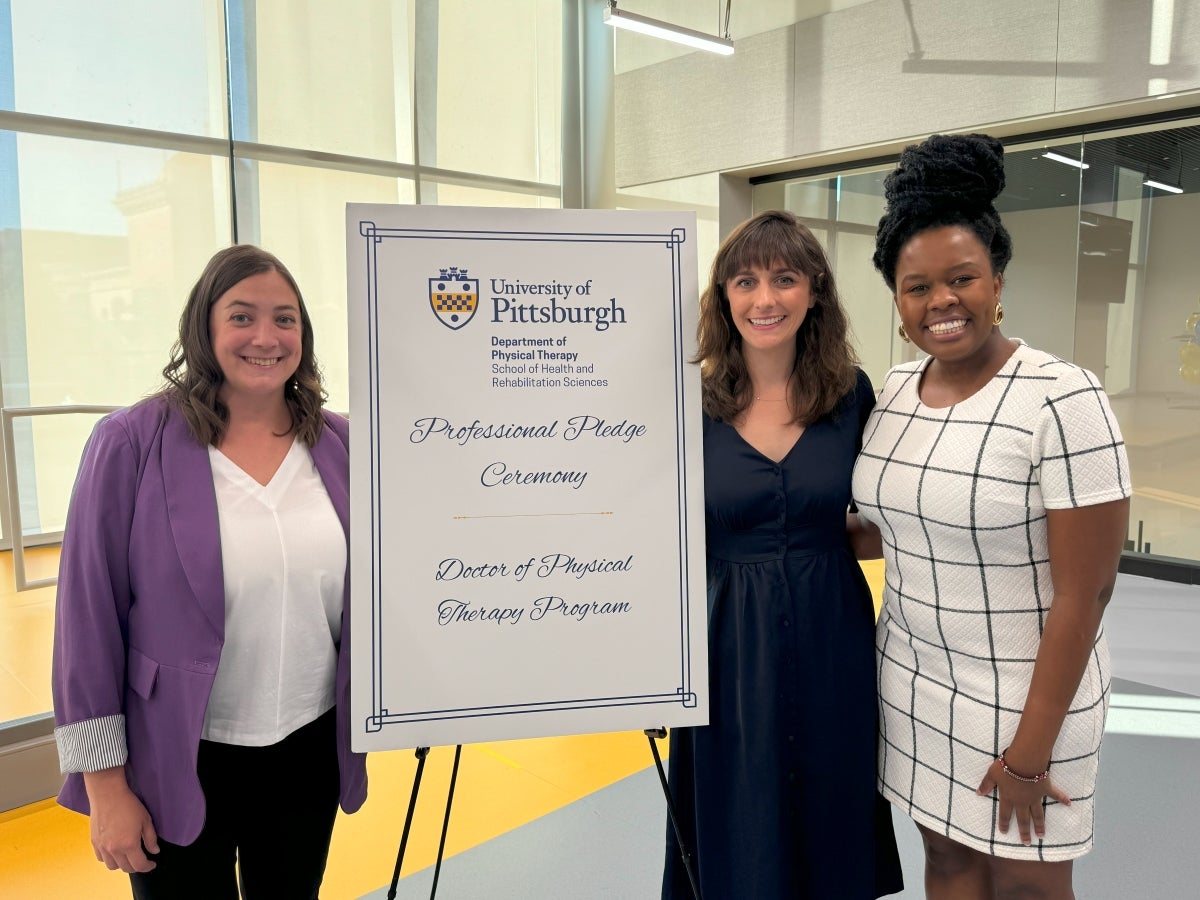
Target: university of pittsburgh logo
453,297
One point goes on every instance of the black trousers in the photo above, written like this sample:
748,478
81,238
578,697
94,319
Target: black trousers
269,809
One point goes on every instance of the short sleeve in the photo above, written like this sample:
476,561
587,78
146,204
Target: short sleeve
1078,453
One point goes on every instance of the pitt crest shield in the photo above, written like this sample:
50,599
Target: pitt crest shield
453,297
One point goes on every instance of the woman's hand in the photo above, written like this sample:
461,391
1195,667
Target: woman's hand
1022,798
865,540
121,827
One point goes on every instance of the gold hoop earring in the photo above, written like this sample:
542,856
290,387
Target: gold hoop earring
903,335
999,316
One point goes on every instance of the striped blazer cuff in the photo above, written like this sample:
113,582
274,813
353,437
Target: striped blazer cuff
91,745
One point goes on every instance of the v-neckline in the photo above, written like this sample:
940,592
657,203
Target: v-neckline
279,480
774,462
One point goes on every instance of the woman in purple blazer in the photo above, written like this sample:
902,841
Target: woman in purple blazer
201,648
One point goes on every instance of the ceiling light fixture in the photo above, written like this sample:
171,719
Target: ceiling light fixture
1058,157
618,18
1177,187
1170,188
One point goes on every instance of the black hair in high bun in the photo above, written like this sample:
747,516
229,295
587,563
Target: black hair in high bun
945,180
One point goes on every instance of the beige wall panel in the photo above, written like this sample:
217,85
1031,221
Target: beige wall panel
860,75
1120,50
701,112
869,74
747,18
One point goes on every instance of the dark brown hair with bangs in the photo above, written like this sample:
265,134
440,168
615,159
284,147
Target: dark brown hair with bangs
194,376
825,361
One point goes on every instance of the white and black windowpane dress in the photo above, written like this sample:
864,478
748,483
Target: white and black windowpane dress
960,494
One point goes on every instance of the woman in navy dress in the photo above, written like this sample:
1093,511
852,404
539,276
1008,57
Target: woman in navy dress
776,796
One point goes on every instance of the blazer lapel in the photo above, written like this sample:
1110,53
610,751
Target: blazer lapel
192,512
331,457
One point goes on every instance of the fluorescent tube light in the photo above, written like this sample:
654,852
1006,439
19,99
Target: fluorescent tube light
1170,188
1058,157
618,18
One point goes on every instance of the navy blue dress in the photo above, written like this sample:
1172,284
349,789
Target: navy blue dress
777,795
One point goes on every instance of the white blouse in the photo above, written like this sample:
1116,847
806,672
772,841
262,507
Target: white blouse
283,552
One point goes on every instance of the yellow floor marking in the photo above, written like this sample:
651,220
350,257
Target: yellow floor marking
47,849
497,791
486,749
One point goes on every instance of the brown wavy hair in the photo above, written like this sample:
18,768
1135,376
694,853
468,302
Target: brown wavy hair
824,371
194,377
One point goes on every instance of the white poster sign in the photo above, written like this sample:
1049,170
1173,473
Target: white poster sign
527,550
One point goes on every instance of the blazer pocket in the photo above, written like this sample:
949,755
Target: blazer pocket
142,673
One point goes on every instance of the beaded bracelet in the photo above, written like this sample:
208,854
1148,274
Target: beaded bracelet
1036,779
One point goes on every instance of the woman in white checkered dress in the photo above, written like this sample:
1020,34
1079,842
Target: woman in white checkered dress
998,479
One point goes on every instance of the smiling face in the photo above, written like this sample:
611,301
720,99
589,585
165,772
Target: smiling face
256,336
947,293
768,305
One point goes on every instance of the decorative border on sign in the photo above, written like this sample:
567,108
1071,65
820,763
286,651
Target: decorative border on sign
683,695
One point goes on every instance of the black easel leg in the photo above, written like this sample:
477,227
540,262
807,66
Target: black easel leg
422,752
437,871
651,734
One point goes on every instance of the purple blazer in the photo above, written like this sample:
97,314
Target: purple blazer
140,619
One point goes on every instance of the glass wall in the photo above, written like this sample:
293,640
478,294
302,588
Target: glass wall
138,137
699,194
1103,274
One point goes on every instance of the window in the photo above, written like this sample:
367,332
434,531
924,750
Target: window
138,137
1102,274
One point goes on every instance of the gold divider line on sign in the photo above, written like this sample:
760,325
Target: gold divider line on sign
535,515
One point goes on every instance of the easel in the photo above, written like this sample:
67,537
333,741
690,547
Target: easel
684,854
423,752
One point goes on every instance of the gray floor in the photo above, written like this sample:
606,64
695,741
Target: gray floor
609,845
